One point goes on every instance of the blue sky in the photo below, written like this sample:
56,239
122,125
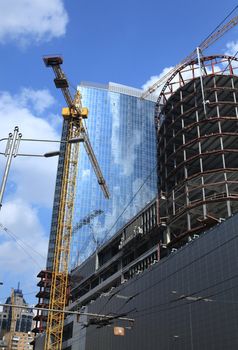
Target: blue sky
127,42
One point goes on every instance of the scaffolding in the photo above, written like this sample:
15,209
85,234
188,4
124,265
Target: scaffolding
43,300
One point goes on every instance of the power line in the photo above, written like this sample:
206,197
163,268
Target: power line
126,207
183,297
160,281
221,22
131,200
24,294
232,58
213,36
163,261
91,330
188,264
136,316
18,239
180,305
120,317
177,305
21,244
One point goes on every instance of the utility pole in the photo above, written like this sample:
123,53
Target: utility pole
11,151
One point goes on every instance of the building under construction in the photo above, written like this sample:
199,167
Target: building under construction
172,268
198,145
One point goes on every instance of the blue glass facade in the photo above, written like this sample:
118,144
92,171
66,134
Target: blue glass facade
122,132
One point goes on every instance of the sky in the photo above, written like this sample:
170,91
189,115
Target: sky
130,42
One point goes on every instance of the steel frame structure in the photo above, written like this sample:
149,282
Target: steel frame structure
43,300
198,146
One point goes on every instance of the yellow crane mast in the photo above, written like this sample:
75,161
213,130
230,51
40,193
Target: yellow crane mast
74,115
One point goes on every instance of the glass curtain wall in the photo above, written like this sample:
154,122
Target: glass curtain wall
122,132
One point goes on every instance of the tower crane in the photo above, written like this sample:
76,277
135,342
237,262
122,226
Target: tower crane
74,116
217,34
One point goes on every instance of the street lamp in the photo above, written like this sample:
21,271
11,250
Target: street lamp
56,153
12,147
51,154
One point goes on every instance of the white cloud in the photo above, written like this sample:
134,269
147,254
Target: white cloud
22,260
33,178
22,220
85,173
129,159
232,48
186,74
25,21
38,100
154,78
123,155
146,193
30,186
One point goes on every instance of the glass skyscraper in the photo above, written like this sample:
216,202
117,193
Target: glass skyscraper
122,133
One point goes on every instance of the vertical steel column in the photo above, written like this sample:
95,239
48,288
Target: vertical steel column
234,96
185,164
200,160
174,150
201,81
222,149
